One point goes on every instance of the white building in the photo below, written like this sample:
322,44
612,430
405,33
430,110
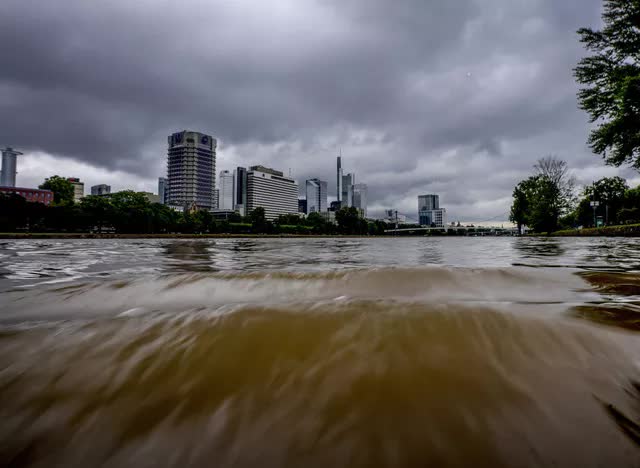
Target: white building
191,170
9,167
225,201
162,189
434,218
316,196
271,190
78,188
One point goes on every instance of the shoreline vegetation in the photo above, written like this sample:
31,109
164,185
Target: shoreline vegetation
629,230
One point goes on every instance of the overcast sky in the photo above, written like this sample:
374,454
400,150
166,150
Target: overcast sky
455,97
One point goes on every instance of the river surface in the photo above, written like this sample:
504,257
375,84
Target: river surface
382,352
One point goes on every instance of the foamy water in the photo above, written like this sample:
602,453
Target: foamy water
319,352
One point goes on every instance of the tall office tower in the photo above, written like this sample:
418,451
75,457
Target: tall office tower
78,188
102,189
162,189
359,197
316,196
271,190
191,170
226,191
9,167
429,211
240,190
428,202
347,189
339,179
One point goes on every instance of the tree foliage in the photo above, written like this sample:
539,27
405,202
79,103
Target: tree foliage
611,79
62,189
542,199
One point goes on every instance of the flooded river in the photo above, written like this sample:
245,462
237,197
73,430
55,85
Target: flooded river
382,352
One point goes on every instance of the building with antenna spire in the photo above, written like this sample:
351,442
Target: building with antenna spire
9,167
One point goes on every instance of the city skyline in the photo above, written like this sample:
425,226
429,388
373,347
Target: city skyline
464,105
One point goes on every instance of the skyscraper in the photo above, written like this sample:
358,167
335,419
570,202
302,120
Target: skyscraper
78,188
9,167
162,189
339,179
359,197
102,189
240,190
347,189
191,170
316,196
271,190
428,202
429,211
226,191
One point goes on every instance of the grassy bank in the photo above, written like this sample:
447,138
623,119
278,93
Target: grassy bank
628,230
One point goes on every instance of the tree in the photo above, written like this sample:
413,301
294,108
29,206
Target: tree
97,209
523,198
611,76
62,189
258,220
350,222
130,212
610,192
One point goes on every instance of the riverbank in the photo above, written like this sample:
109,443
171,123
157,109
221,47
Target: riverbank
629,230
90,235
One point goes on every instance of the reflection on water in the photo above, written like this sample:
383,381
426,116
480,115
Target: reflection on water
320,352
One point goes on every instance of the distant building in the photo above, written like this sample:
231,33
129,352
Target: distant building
359,197
339,179
302,205
434,218
191,170
216,199
78,188
240,190
392,216
347,190
162,189
151,197
9,167
426,204
102,189
271,190
225,187
31,195
316,196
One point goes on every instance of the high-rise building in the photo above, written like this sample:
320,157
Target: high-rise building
240,190
429,211
9,167
78,188
302,205
316,196
102,189
162,189
191,170
339,179
271,190
359,197
226,191
428,202
348,181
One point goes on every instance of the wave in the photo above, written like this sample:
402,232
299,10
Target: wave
211,291
351,383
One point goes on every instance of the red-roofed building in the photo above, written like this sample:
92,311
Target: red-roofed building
30,194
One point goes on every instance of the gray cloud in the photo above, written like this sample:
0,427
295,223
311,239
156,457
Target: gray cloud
457,97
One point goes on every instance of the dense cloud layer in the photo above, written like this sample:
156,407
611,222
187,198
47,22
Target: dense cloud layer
458,97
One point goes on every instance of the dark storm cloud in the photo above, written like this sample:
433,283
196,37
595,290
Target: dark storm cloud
421,95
